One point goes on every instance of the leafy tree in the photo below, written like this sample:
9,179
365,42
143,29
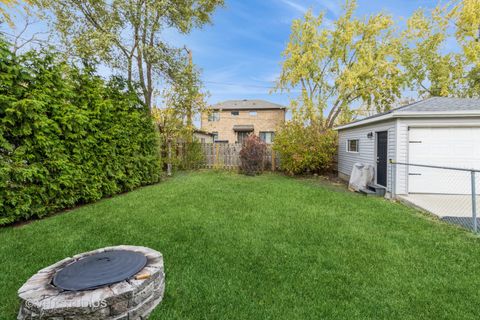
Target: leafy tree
4,4
8,4
466,17
430,70
126,34
431,67
181,100
354,61
178,148
186,97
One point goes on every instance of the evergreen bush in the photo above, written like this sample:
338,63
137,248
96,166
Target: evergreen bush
67,136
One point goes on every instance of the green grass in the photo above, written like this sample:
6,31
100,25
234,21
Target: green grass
267,247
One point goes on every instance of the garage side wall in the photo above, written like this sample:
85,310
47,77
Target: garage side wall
367,147
403,126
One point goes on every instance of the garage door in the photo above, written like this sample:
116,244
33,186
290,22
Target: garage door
448,147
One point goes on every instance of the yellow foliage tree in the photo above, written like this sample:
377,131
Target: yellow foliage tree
434,69
466,16
4,5
353,61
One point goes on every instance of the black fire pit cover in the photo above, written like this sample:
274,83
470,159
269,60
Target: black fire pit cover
100,269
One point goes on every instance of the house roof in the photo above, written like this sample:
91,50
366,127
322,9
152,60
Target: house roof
246,105
431,107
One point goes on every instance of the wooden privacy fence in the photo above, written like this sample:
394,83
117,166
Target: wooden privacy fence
227,156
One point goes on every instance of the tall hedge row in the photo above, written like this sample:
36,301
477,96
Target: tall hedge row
67,136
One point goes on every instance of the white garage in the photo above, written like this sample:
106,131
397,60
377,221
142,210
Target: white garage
457,147
442,132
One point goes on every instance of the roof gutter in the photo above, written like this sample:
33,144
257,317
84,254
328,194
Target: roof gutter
437,114
400,114
364,122
246,109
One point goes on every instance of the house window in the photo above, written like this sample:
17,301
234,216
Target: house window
267,136
253,113
242,135
215,136
214,116
353,145
235,113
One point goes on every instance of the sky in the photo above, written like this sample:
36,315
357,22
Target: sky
239,53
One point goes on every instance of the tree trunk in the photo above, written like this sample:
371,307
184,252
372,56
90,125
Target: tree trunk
189,107
169,163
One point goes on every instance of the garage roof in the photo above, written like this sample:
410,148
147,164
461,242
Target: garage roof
443,104
431,107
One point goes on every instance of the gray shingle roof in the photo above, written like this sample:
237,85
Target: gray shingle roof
433,106
246,105
440,104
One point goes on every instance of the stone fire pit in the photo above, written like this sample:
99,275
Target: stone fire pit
132,298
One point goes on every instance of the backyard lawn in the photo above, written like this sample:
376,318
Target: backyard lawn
267,247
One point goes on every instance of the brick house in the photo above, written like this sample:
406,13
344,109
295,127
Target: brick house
232,121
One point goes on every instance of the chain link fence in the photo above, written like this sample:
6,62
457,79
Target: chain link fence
451,193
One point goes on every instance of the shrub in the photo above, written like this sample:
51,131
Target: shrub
188,155
252,155
179,146
306,148
68,137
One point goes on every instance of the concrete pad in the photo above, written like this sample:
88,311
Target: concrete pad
443,205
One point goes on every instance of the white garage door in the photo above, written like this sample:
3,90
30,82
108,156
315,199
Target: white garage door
447,147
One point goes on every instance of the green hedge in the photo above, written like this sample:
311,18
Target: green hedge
68,137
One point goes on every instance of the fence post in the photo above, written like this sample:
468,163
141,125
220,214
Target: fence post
392,179
474,203
169,164
217,153
273,158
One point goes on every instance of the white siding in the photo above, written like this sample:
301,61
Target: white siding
367,147
403,141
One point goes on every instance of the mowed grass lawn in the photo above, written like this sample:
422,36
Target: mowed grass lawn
267,247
